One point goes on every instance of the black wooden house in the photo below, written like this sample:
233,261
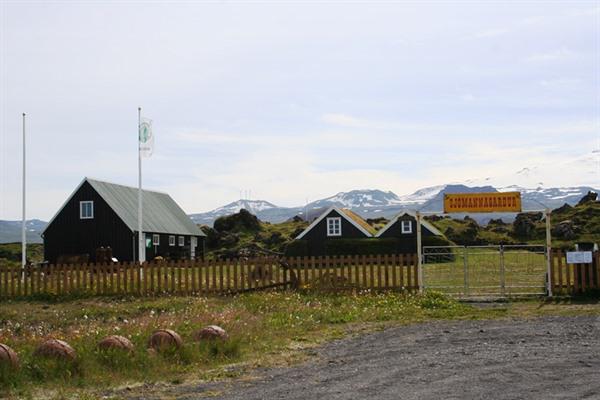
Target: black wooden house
100,215
334,225
342,232
402,229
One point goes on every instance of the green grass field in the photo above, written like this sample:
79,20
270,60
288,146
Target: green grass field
266,329
486,273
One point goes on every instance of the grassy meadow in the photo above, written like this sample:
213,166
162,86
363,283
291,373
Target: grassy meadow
268,328
265,328
523,271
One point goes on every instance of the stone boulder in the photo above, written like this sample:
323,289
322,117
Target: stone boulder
525,224
588,198
565,230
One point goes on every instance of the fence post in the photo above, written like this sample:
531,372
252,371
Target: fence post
502,272
548,250
419,255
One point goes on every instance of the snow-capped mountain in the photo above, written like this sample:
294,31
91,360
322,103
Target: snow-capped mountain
378,203
422,195
549,197
358,199
256,207
367,203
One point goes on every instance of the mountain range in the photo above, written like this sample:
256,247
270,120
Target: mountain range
368,203
377,203
10,231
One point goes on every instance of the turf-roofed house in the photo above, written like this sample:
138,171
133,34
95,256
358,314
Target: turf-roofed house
333,232
100,215
401,231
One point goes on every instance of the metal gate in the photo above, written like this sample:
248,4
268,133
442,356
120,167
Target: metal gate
485,271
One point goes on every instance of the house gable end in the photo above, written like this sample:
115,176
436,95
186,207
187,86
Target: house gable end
350,228
70,234
393,228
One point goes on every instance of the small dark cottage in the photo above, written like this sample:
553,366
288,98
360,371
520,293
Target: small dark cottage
403,229
330,229
100,219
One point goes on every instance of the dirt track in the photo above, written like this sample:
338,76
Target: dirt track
555,357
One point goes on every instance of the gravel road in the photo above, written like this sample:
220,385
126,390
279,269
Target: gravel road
547,358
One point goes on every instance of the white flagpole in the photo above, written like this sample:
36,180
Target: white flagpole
140,233
24,221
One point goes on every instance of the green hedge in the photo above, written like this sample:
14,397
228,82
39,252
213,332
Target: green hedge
436,241
296,248
360,246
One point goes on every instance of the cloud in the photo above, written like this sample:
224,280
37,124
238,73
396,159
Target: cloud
555,55
491,33
345,120
390,96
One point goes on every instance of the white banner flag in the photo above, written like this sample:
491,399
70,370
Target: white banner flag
146,138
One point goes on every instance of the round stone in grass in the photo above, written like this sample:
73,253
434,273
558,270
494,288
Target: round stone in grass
8,357
54,348
116,342
211,332
164,339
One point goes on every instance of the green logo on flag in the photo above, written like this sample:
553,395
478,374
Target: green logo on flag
145,132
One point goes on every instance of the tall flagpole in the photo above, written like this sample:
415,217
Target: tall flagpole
140,233
24,221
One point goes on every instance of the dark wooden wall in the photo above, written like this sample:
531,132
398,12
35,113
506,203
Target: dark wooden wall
318,234
406,242
68,234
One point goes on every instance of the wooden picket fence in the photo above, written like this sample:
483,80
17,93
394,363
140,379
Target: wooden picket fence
570,279
213,277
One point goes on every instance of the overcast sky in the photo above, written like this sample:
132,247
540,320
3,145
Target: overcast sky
296,100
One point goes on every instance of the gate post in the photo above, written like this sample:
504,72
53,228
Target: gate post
548,252
502,272
419,253
466,270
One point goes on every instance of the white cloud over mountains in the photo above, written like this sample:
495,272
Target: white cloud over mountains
293,100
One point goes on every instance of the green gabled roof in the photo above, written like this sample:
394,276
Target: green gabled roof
160,212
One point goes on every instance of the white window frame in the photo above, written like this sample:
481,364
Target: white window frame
171,240
331,223
406,226
181,240
155,240
82,204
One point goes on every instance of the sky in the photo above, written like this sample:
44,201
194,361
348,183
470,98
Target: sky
291,101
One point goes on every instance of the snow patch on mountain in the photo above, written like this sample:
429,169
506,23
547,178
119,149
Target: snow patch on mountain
422,195
359,199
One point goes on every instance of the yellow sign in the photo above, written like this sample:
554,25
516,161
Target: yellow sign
482,202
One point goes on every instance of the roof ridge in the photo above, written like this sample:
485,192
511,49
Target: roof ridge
87,178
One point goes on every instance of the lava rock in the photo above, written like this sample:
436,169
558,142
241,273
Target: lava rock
565,230
589,197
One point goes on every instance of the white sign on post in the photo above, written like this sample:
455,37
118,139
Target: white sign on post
579,257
